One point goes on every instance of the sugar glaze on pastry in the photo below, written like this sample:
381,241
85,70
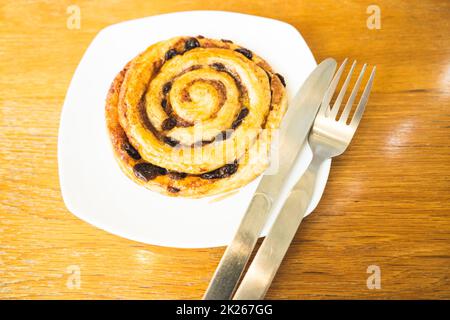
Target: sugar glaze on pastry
194,117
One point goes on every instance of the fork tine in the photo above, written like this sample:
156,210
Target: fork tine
363,101
351,99
330,91
337,103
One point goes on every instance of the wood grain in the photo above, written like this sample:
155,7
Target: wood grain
386,202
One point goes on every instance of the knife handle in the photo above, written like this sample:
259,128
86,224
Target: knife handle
262,270
236,255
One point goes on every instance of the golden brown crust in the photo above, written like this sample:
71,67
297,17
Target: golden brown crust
211,85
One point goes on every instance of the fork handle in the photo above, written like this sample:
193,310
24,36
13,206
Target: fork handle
262,270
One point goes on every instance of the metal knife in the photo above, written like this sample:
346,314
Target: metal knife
298,121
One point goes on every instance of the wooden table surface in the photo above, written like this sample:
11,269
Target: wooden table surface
386,203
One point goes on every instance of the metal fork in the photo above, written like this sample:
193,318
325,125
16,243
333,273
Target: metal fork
328,138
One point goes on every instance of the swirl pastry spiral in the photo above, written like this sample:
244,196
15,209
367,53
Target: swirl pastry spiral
193,117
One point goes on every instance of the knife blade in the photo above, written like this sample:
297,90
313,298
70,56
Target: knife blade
294,129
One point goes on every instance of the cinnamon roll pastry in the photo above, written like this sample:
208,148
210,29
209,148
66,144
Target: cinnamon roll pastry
194,117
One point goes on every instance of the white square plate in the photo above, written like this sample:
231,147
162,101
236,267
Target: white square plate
92,184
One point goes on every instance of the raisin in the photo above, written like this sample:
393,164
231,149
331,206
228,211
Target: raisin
131,151
222,172
218,66
164,103
169,123
226,41
236,123
283,82
177,175
173,189
191,44
245,52
199,143
171,142
170,54
224,135
161,171
166,88
147,171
